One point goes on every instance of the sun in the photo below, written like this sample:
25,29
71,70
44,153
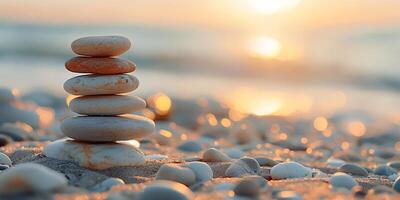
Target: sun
272,6
265,47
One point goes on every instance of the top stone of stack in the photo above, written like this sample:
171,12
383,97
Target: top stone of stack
101,46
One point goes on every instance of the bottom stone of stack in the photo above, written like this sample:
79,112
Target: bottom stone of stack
107,128
95,156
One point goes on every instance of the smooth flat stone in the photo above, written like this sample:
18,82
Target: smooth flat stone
173,172
30,177
107,105
106,129
166,190
396,184
107,184
394,164
384,170
342,180
202,170
101,46
287,170
247,188
353,169
189,146
100,65
101,84
215,155
95,156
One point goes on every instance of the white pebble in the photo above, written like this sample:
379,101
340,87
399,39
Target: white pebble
202,170
289,170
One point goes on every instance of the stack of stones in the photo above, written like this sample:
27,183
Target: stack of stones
105,122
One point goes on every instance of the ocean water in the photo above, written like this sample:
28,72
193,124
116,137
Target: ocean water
192,63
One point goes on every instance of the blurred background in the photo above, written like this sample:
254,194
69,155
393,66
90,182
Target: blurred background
264,57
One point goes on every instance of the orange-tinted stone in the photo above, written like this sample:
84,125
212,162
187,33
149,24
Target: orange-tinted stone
100,65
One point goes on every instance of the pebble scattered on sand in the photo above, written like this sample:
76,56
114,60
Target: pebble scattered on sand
384,170
29,177
166,190
202,170
396,184
287,170
174,172
190,146
342,180
263,161
243,166
248,188
354,169
215,155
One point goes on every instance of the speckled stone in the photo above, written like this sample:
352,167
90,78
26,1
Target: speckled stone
166,190
103,66
173,172
107,129
30,177
107,105
101,84
354,169
101,46
95,156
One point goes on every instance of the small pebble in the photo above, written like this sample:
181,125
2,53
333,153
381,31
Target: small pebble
173,172
247,188
215,155
5,160
342,180
166,190
263,161
30,177
289,170
353,169
107,184
202,171
384,170
243,166
189,146
101,46
394,164
335,162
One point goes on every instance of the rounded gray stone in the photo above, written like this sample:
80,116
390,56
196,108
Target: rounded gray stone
166,190
354,169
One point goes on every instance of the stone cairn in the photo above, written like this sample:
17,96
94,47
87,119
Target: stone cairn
103,135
